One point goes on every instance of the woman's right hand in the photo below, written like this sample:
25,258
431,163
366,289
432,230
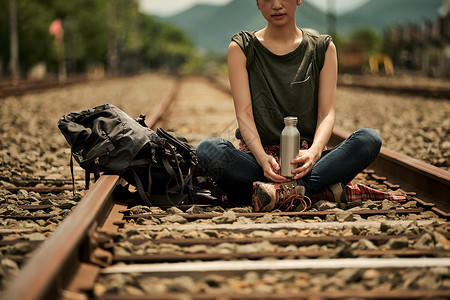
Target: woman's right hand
270,166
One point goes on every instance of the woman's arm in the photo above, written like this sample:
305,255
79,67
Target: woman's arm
325,115
240,88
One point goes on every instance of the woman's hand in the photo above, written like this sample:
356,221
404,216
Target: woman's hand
269,165
305,159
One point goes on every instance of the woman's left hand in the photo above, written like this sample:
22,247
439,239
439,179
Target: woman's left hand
305,160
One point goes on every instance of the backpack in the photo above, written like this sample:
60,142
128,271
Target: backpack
158,163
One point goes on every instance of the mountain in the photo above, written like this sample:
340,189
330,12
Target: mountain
382,14
212,26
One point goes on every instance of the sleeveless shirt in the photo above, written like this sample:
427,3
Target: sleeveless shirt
284,85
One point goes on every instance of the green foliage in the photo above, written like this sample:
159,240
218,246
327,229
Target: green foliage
93,32
165,45
370,38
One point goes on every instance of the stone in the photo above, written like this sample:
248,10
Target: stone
370,204
244,220
330,218
384,227
242,210
197,249
323,205
398,243
424,242
343,251
214,280
174,210
392,215
251,277
9,264
195,209
216,209
410,204
227,217
370,274
152,285
355,204
35,236
441,240
261,233
174,219
350,275
140,209
386,204
265,219
364,244
344,216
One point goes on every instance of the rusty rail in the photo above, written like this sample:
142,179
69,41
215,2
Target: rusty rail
431,183
41,277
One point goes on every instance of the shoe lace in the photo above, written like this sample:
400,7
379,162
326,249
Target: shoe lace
288,199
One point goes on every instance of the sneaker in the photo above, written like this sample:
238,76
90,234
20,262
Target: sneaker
286,196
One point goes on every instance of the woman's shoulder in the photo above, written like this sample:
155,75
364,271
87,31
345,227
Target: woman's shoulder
319,44
243,38
316,37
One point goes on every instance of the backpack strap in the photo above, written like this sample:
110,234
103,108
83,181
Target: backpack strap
71,173
181,182
139,186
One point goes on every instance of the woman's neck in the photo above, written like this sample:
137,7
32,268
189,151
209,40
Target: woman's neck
280,40
282,33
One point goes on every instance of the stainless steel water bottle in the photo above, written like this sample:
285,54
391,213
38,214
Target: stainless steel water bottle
289,146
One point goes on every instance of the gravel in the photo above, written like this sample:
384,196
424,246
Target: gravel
277,282
416,126
31,144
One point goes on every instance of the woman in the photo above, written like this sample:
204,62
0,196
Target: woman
275,72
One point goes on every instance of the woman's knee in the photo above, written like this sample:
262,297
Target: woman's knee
205,148
209,149
371,140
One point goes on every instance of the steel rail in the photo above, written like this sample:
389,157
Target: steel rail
278,265
440,93
50,268
431,183
162,106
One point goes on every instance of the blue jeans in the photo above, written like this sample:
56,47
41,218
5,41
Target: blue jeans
235,171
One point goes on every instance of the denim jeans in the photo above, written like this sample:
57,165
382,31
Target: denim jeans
235,171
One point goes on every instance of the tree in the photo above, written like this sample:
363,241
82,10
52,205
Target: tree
371,40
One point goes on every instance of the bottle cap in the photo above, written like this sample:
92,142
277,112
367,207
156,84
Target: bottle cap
290,120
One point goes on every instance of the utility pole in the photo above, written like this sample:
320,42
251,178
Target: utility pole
13,42
331,17
112,52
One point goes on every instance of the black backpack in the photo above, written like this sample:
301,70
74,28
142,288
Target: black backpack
158,163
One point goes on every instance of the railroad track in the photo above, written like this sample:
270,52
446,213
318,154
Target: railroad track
35,86
377,249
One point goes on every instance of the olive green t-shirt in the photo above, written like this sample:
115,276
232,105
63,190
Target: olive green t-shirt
284,85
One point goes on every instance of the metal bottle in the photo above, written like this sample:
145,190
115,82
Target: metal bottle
289,146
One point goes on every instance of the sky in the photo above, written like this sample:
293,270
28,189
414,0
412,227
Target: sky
170,7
